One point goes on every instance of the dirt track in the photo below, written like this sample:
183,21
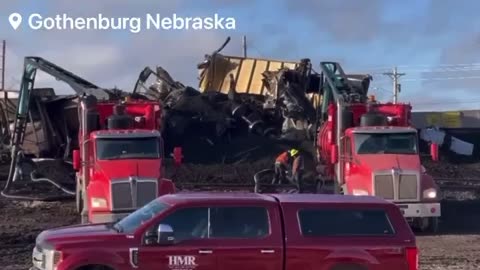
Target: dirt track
456,247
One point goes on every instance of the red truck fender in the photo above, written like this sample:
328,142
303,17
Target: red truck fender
92,257
428,182
354,259
166,187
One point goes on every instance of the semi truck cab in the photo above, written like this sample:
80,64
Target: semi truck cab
384,161
120,160
239,231
125,174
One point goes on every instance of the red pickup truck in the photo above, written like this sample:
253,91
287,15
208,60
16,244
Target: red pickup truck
236,232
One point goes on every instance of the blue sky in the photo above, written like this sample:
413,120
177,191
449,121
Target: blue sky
434,42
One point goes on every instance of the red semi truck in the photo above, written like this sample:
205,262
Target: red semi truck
120,158
369,148
238,231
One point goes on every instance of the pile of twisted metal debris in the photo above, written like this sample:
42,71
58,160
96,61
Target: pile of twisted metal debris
245,110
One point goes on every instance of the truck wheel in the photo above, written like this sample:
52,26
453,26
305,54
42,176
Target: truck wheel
84,219
428,225
432,225
337,188
324,187
79,201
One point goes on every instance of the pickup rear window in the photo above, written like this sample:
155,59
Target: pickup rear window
344,222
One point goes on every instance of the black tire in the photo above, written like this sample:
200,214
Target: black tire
325,187
337,188
84,219
319,186
432,225
79,201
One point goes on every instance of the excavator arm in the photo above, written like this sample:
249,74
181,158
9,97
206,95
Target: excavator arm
31,65
337,84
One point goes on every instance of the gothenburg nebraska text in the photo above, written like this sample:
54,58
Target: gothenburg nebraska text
133,24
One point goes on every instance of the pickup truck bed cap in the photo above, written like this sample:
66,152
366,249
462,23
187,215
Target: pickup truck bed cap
272,198
217,197
328,198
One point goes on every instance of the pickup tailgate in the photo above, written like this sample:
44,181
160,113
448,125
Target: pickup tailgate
349,235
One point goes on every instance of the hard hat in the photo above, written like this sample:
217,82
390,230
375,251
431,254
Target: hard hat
293,152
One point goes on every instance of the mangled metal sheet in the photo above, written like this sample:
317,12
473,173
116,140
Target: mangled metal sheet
245,75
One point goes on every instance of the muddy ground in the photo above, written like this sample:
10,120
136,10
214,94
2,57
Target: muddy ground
457,246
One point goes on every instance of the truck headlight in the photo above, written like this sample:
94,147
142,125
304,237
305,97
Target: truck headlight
99,202
52,259
430,193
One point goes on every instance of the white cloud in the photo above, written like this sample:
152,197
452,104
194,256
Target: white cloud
110,58
118,64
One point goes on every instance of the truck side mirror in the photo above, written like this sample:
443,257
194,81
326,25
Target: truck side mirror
165,235
76,160
177,156
434,151
333,153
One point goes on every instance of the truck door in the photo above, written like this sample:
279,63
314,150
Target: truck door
249,237
192,249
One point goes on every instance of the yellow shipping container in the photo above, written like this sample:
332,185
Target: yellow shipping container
240,73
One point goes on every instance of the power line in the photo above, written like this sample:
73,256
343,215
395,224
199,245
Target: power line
447,103
441,65
404,67
437,72
441,79
435,79
2,68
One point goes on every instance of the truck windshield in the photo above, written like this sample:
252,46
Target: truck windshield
131,222
386,143
127,148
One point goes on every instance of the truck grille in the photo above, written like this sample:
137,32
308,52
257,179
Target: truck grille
384,186
407,187
128,195
404,187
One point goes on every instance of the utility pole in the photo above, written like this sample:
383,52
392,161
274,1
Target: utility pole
244,46
4,48
396,86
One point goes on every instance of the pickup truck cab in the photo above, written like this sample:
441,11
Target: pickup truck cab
238,231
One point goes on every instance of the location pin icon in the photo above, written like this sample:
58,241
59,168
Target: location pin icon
15,20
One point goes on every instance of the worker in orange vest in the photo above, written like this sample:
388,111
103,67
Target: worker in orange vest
282,163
